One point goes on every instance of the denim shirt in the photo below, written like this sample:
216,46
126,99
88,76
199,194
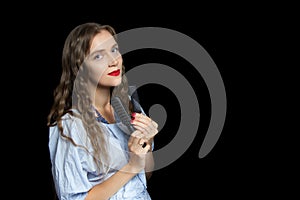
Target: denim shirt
74,170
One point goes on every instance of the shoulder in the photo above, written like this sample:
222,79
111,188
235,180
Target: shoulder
72,128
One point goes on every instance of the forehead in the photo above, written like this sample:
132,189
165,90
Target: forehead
102,40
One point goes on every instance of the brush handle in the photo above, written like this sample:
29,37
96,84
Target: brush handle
134,98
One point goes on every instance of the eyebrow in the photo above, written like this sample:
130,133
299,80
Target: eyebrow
101,50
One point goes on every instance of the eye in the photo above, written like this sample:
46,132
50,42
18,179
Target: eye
98,57
115,50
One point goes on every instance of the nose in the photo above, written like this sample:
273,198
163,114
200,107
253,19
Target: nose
113,61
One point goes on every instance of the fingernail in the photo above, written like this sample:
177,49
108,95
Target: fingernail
133,114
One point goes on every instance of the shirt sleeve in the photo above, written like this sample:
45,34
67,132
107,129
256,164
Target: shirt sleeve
70,177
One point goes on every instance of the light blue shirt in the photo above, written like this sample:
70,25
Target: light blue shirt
73,168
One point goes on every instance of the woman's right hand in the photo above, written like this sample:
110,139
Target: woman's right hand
138,149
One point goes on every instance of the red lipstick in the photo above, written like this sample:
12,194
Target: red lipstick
115,73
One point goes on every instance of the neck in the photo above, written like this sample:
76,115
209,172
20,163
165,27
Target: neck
102,98
102,103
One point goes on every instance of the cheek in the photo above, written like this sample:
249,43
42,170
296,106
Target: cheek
120,59
97,73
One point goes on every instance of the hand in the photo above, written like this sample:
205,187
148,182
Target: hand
145,125
137,151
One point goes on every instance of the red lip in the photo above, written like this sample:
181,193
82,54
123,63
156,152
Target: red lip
115,73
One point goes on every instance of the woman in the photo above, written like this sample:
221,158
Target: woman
92,156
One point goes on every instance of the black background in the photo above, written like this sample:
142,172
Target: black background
243,161
189,174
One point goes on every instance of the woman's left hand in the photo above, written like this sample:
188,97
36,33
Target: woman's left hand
145,125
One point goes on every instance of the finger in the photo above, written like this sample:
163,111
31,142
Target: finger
142,142
144,130
143,125
145,120
154,124
142,118
146,148
136,135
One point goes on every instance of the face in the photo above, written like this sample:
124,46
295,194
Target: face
104,63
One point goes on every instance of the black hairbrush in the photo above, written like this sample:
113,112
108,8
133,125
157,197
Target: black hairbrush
134,99
122,113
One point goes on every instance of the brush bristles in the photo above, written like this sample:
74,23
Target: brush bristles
121,112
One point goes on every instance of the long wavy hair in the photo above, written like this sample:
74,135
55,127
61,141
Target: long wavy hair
71,91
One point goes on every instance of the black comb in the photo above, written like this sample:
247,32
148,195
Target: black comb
122,113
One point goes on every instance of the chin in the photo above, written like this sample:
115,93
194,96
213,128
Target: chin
118,83
115,82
